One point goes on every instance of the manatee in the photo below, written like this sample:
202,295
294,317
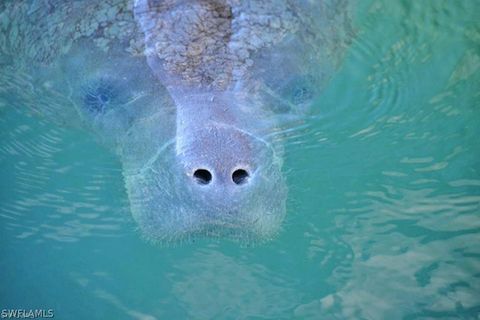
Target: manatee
193,96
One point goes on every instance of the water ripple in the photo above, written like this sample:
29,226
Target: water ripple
49,194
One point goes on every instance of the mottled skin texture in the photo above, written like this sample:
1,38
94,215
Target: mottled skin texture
175,86
211,43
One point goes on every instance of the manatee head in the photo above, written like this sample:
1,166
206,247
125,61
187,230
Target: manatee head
193,167
216,181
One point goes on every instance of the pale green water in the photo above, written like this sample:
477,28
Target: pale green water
384,202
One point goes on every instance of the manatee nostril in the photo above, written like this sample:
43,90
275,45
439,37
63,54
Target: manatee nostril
240,176
203,176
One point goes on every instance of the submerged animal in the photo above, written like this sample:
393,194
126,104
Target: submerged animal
192,95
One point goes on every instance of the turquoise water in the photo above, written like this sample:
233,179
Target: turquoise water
383,214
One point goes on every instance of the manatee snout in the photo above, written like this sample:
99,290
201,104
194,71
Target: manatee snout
221,157
229,174
216,180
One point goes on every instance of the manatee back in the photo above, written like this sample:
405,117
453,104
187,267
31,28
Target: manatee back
279,53
289,75
255,47
79,64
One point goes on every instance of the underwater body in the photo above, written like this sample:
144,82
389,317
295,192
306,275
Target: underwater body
191,95
365,112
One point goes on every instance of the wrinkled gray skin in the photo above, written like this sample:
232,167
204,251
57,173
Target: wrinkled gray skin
177,86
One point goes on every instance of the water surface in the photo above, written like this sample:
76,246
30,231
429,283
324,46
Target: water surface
383,214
